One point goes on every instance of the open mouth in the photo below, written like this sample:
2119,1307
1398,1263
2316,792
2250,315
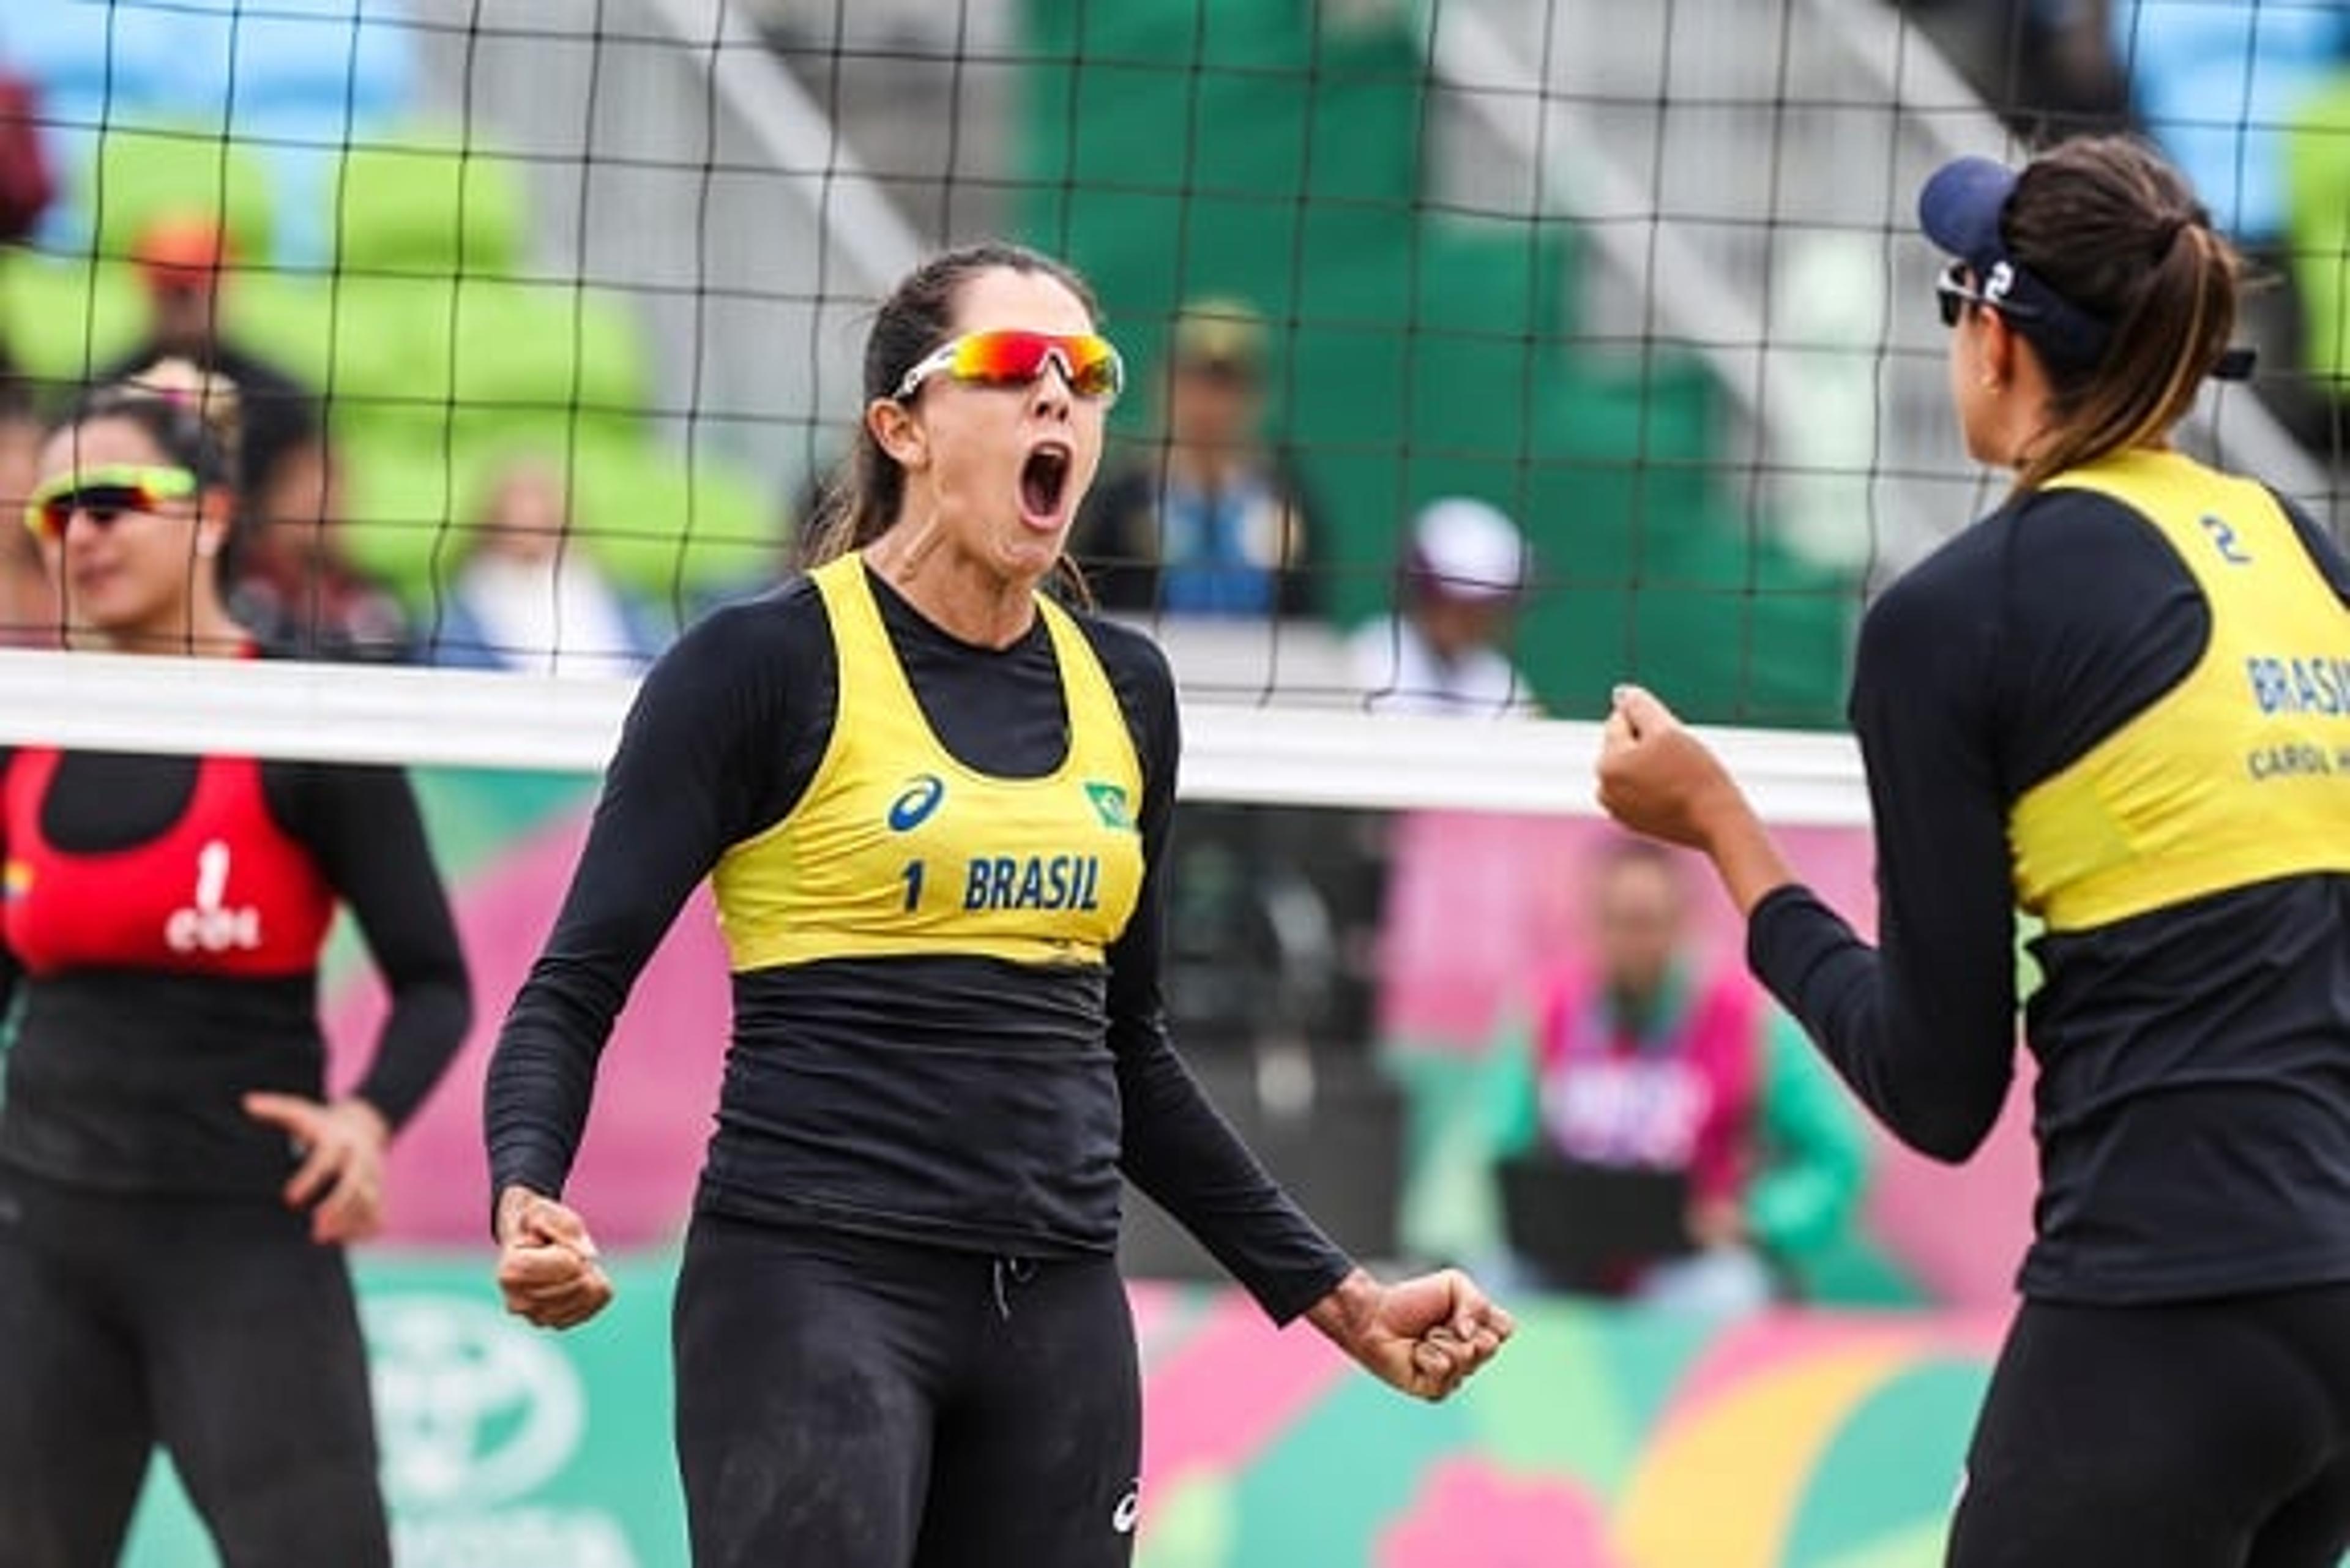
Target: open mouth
1045,480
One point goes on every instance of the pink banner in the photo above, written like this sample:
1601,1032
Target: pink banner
657,1085
1476,905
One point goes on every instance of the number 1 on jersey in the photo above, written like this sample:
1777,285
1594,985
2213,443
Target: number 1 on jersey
913,884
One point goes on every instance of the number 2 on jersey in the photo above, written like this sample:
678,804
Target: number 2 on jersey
2223,538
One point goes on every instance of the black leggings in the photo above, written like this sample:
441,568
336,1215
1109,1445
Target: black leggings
2202,1435
853,1402
216,1328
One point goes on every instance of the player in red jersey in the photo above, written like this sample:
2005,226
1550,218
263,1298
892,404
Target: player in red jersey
176,1186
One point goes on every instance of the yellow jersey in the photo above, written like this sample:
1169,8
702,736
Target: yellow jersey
898,850
2240,773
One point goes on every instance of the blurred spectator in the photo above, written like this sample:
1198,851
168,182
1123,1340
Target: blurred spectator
528,598
27,187
1646,1059
1463,572
1212,524
302,597
283,456
28,601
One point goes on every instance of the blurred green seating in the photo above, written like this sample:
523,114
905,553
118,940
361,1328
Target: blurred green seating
673,530
2317,177
493,357
1419,352
142,175
357,353
417,202
436,361
406,498
529,359
66,318
669,532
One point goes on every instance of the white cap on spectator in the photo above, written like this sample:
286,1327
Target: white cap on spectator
1466,549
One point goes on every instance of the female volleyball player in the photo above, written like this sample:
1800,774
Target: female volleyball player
2122,701
934,806
175,1190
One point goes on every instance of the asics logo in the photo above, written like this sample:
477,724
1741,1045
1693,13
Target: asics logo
916,802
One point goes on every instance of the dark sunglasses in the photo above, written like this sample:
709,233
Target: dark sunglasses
103,495
1953,294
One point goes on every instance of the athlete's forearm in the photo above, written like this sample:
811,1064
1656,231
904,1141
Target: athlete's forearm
1938,1093
1181,1152
369,837
1744,854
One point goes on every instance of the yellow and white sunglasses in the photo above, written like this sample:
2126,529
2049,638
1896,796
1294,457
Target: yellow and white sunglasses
103,494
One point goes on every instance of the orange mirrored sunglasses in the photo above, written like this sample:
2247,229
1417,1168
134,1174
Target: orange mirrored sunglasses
1087,361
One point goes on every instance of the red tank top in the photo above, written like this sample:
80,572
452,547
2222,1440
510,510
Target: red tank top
222,891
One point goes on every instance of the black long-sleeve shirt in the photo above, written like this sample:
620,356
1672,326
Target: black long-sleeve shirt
131,1079
2193,1106
962,1102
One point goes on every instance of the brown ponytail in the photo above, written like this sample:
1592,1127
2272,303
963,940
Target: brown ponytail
2115,231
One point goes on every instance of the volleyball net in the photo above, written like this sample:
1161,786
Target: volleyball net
558,311
560,305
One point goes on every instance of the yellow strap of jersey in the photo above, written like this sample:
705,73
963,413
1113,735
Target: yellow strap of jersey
2239,773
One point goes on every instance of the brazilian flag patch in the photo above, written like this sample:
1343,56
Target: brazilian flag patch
1110,805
